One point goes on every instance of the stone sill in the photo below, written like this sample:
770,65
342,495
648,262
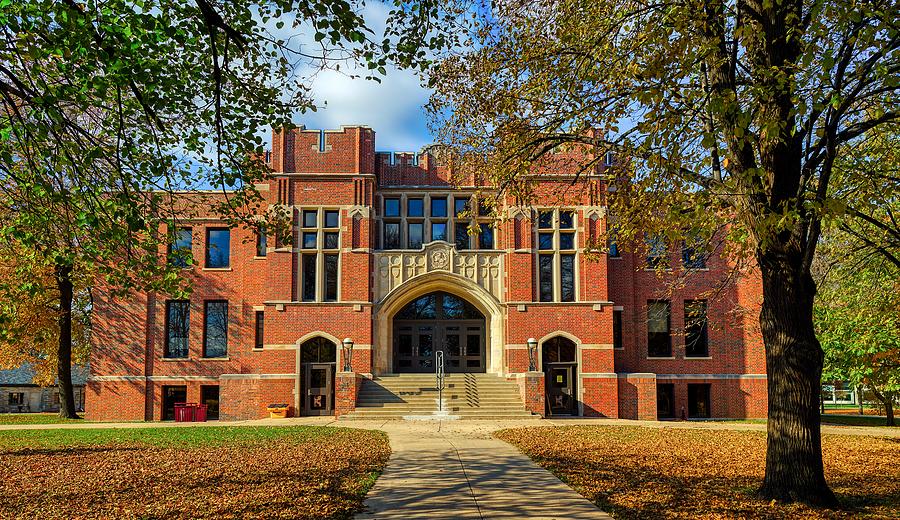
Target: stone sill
219,269
655,357
698,357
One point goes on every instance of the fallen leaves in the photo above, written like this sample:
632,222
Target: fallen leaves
643,473
290,473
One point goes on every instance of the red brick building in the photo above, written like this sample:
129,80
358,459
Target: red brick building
395,256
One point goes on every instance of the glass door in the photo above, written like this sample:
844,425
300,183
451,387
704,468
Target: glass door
319,389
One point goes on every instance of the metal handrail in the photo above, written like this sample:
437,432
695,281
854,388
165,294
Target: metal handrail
439,376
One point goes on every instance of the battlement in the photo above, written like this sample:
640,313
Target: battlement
349,150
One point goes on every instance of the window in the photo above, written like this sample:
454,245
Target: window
415,207
215,329
657,252
438,206
485,236
612,245
260,242
320,252
545,275
659,335
178,314
438,231
696,343
462,238
415,233
331,277
609,159
556,244
698,401
408,222
692,253
260,329
308,277
665,401
617,330
16,398
218,248
180,248
391,207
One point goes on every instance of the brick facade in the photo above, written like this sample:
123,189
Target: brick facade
337,180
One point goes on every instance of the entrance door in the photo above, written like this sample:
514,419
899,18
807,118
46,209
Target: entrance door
439,322
560,388
416,343
318,388
172,395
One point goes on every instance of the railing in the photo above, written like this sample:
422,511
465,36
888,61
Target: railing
439,376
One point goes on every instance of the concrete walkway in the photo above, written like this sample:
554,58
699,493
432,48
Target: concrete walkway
457,470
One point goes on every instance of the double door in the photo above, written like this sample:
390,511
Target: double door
461,341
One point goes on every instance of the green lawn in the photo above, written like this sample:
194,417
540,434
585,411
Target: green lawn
226,472
35,418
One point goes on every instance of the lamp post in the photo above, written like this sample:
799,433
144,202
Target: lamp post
348,354
532,355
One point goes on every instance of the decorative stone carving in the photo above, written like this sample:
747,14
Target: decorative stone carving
439,259
396,267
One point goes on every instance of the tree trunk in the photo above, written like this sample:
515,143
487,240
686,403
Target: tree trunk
64,348
887,399
794,358
859,399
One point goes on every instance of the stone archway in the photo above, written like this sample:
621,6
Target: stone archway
299,368
427,283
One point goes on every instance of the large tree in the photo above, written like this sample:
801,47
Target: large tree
108,107
730,110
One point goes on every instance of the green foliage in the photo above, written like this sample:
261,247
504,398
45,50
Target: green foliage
109,108
722,121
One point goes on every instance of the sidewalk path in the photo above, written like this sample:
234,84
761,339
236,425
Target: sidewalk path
457,470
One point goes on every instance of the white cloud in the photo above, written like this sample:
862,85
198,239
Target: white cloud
394,108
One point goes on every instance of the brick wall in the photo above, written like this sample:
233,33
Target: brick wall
341,170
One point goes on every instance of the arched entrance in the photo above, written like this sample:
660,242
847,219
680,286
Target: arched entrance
439,321
559,358
318,359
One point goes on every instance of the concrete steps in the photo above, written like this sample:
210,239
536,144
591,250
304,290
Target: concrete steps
465,396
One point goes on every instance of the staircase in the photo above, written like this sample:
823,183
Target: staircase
414,396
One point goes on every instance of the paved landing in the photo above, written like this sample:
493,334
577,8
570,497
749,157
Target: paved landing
438,471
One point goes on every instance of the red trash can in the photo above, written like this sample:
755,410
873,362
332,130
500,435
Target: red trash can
184,412
200,413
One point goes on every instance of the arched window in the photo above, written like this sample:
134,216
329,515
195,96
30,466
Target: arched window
318,350
559,350
439,306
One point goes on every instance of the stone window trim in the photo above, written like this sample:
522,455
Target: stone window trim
320,251
426,220
557,251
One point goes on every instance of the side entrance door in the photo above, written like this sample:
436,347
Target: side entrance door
318,388
560,387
